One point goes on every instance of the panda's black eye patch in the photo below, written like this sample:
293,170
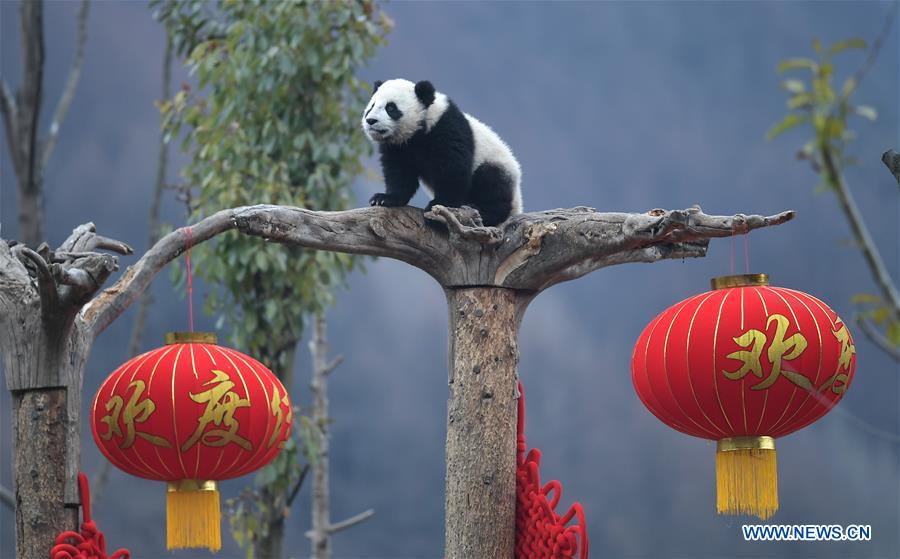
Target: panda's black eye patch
393,111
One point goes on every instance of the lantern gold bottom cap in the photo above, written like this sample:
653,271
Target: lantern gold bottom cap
192,485
745,443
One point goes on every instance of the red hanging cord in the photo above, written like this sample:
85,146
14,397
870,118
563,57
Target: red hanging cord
747,251
90,543
732,252
187,255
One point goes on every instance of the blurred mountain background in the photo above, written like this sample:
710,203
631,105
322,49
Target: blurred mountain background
619,106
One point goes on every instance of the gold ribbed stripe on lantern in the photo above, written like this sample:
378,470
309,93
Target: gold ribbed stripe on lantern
192,515
746,476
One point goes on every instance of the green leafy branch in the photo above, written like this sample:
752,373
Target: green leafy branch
815,102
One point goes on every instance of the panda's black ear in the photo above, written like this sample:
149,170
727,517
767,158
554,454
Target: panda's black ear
376,85
425,92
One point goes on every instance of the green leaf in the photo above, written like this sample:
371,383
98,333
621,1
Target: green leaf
788,122
794,86
797,64
866,111
865,298
817,46
848,87
799,101
854,43
893,333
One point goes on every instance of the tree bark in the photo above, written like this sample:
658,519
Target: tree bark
480,493
40,420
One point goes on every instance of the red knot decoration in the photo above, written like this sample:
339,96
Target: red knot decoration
90,543
541,533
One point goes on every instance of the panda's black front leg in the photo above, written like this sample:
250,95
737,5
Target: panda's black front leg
400,178
451,188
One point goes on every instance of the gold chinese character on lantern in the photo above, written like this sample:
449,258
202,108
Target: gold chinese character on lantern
838,381
781,348
135,411
275,406
221,403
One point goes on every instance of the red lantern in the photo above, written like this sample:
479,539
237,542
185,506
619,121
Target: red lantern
744,364
190,413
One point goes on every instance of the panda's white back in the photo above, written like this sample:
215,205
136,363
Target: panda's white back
489,147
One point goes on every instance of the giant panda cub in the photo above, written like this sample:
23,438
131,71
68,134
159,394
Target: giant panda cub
422,135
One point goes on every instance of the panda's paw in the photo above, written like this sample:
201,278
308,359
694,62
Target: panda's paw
384,199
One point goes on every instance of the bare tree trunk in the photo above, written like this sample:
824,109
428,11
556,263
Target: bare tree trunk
322,528
28,104
481,424
320,541
40,418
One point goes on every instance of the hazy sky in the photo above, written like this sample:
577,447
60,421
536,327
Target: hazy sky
620,106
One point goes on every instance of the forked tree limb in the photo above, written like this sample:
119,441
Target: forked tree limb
534,250
877,338
51,312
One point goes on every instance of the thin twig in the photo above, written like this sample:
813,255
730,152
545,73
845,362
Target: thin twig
296,489
876,338
71,85
344,524
876,46
335,363
153,230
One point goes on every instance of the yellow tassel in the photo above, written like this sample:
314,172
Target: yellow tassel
192,515
747,476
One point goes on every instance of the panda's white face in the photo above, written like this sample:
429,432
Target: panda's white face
394,114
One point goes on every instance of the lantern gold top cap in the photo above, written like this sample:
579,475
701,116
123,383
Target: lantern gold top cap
190,338
743,280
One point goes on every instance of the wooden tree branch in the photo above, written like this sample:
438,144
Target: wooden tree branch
344,524
350,522
71,85
113,301
51,312
535,250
